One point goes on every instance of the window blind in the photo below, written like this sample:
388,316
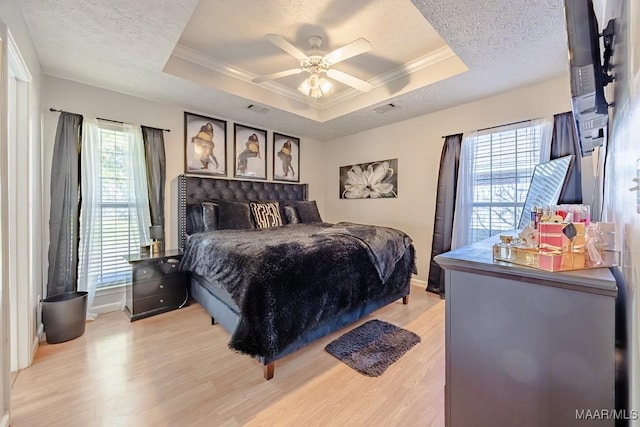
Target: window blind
504,160
115,232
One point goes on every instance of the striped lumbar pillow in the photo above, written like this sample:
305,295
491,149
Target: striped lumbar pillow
266,215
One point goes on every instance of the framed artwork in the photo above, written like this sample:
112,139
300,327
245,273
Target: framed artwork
286,158
250,152
373,180
205,145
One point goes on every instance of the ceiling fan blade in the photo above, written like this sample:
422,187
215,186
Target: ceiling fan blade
283,44
347,51
349,80
277,75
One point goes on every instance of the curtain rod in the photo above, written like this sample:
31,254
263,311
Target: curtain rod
497,126
53,110
100,118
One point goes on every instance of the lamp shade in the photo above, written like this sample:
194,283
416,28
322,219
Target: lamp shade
155,232
315,86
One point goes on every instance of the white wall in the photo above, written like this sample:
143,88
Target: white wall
417,143
29,173
621,202
91,101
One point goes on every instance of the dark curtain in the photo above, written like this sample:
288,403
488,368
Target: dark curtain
156,173
445,206
564,142
65,205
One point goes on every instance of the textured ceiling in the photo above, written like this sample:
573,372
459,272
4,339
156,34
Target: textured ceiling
128,46
407,55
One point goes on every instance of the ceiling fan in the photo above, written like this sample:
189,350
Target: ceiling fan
317,65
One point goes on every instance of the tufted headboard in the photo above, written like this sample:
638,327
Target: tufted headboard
196,189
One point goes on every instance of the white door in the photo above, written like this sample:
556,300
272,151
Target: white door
17,304
4,287
22,322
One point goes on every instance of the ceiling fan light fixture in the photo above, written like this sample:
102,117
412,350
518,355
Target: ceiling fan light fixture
315,86
317,64
304,87
325,86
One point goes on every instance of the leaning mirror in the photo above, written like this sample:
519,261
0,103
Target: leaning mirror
546,186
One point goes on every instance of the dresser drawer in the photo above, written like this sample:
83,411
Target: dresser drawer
158,302
175,283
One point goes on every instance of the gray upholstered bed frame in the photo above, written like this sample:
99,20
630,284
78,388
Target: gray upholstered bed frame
217,302
196,189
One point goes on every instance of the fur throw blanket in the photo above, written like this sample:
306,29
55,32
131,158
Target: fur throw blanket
287,280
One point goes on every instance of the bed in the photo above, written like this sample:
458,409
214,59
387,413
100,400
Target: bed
278,285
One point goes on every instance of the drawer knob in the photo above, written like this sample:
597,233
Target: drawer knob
161,300
161,286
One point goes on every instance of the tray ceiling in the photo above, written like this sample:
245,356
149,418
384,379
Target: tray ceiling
426,55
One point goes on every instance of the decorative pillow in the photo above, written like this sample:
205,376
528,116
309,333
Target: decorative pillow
307,211
209,216
234,215
194,219
266,215
291,215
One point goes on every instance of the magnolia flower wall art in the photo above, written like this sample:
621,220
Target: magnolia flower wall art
372,180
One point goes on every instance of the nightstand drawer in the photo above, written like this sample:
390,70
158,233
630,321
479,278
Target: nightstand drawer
157,284
162,285
155,269
158,302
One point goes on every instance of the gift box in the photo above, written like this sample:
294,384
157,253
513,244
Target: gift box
573,260
550,260
577,243
562,247
550,236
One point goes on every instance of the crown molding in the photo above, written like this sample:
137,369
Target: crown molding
410,67
192,55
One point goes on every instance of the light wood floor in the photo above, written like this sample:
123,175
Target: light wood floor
175,369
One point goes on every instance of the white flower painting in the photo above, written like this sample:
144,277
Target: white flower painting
373,180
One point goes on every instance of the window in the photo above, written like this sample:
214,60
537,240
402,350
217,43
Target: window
113,206
495,172
504,164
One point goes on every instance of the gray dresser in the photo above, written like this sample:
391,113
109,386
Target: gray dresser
526,347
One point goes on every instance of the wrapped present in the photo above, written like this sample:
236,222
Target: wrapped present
550,260
574,242
550,236
571,260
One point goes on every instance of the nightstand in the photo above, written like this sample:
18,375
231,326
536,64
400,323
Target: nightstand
157,285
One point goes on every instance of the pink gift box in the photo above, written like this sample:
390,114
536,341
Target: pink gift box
550,235
550,261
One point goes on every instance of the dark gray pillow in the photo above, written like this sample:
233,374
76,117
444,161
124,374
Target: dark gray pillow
234,215
194,219
307,211
209,216
291,215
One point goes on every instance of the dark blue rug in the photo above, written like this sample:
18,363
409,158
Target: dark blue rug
373,346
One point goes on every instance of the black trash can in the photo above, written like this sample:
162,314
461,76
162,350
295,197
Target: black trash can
64,316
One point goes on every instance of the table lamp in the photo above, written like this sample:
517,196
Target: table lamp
155,234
